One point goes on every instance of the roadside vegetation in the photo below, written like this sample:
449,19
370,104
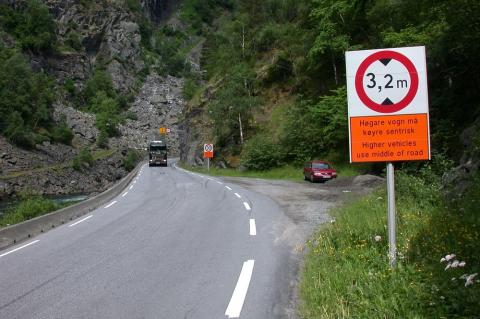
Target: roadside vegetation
29,207
287,172
278,68
346,272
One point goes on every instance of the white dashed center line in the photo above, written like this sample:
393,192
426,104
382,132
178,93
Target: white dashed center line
238,297
21,247
220,183
236,194
81,220
229,188
124,194
112,203
247,207
131,187
253,228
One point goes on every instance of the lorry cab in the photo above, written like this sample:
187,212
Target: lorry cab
157,153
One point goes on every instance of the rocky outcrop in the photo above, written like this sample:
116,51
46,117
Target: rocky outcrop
105,32
158,104
47,170
92,180
92,35
82,124
460,178
158,10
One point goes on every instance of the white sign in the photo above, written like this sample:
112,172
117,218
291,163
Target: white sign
208,147
387,82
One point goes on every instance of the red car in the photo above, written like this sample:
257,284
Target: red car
319,171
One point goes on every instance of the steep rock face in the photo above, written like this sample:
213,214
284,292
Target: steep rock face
158,10
460,178
158,104
106,32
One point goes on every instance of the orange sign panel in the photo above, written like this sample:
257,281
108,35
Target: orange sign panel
389,138
163,130
207,150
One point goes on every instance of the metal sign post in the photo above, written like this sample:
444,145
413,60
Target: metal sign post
208,153
388,117
392,245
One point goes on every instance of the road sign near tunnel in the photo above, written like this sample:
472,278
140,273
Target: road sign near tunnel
207,150
388,105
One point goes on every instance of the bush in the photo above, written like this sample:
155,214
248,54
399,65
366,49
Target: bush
131,159
61,133
73,40
84,159
102,140
25,99
98,81
27,209
32,25
190,88
261,153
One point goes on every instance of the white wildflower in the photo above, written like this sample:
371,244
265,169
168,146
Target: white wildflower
448,266
449,257
442,260
470,279
455,263
453,279
461,264
379,198
332,221
377,238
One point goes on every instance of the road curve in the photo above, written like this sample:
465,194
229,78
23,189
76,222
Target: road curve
173,245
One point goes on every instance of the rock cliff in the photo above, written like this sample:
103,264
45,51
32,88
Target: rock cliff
107,35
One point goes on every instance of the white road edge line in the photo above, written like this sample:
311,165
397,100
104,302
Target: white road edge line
112,203
81,220
219,182
247,207
21,247
253,228
131,186
124,194
229,188
238,297
236,194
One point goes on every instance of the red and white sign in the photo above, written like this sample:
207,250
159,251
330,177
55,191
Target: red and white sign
207,150
388,105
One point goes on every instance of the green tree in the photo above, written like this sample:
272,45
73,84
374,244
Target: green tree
32,24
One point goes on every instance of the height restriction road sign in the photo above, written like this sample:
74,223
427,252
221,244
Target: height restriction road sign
388,105
207,150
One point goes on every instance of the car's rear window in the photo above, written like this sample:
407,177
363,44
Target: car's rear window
320,165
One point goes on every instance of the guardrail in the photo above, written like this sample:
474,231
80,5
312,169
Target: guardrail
19,232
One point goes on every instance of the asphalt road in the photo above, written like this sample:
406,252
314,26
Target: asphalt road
172,245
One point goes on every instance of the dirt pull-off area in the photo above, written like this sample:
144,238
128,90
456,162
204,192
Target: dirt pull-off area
306,203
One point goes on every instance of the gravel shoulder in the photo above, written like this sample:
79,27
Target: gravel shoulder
306,203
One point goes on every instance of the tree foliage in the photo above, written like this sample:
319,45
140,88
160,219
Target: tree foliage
300,46
31,23
25,100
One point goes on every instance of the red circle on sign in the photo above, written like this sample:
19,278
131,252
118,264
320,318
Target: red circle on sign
380,107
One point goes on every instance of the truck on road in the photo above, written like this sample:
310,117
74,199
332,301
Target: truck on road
157,153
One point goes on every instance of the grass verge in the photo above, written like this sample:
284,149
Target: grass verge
29,208
287,172
346,272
